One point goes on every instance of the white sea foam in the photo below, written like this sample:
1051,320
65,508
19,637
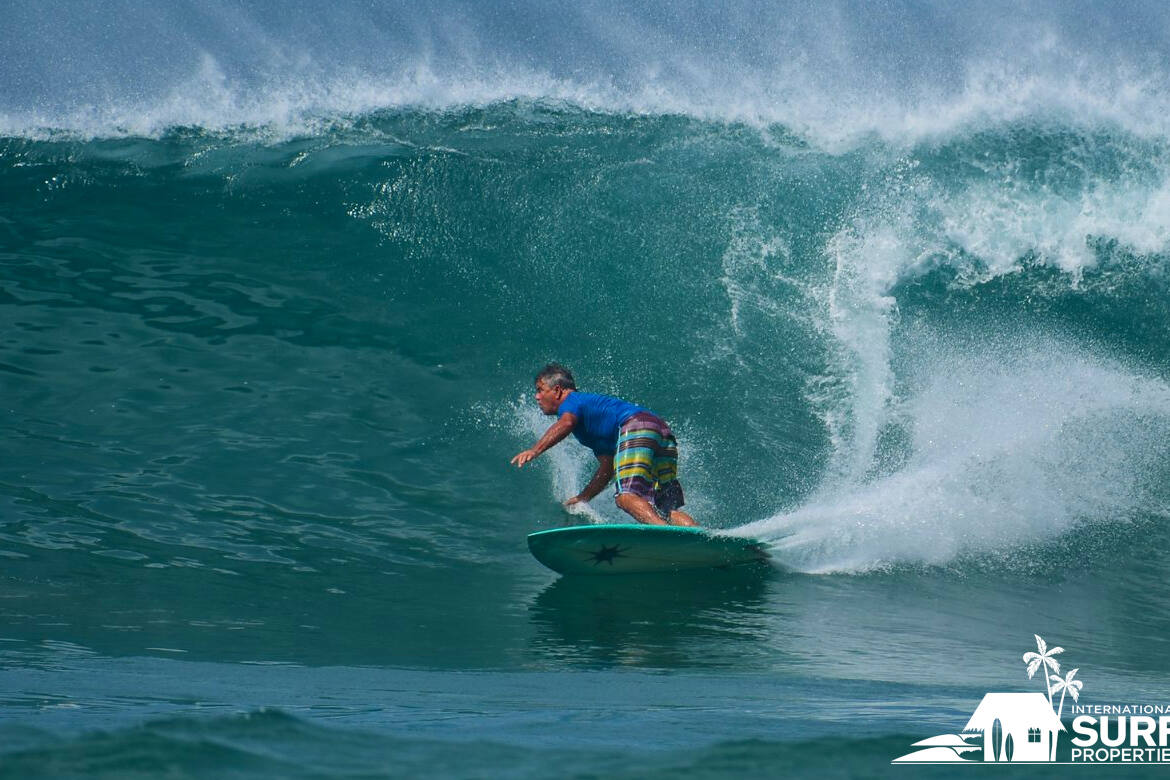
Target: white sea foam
1002,221
835,121
985,229
1012,439
838,73
1018,443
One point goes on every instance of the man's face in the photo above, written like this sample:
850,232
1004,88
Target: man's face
549,398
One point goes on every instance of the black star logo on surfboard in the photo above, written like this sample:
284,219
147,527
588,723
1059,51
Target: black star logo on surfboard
606,554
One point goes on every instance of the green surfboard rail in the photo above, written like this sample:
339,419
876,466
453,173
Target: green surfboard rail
630,548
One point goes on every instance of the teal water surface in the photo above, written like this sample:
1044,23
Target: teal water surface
262,376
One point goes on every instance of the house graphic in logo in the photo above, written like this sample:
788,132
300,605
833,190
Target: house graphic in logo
1008,727
1016,727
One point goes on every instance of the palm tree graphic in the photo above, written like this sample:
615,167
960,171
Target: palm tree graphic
1067,685
1045,657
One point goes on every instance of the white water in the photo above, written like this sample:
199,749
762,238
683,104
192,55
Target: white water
1014,437
1017,442
834,72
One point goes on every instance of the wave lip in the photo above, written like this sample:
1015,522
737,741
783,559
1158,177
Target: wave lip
209,101
836,75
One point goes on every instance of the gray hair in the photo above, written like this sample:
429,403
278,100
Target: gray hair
556,375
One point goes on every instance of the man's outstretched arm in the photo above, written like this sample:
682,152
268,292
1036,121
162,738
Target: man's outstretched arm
557,431
600,479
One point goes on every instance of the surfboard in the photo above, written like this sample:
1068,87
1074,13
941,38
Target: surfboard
634,548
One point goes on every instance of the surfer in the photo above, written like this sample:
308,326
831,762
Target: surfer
630,442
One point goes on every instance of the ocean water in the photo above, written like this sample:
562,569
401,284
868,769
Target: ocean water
275,279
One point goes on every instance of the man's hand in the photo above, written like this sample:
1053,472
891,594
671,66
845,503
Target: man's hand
524,457
574,500
557,431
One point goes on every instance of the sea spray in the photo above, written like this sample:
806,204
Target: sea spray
1010,444
838,74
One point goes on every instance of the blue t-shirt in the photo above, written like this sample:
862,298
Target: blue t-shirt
598,419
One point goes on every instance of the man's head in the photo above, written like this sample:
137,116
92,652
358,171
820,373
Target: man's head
553,383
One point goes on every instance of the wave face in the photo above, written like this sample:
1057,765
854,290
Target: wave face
887,355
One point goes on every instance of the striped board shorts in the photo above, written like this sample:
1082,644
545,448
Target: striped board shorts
646,462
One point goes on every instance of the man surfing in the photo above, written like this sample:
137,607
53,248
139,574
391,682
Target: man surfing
630,442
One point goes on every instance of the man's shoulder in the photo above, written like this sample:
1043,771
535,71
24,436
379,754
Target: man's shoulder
577,400
572,402
583,398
